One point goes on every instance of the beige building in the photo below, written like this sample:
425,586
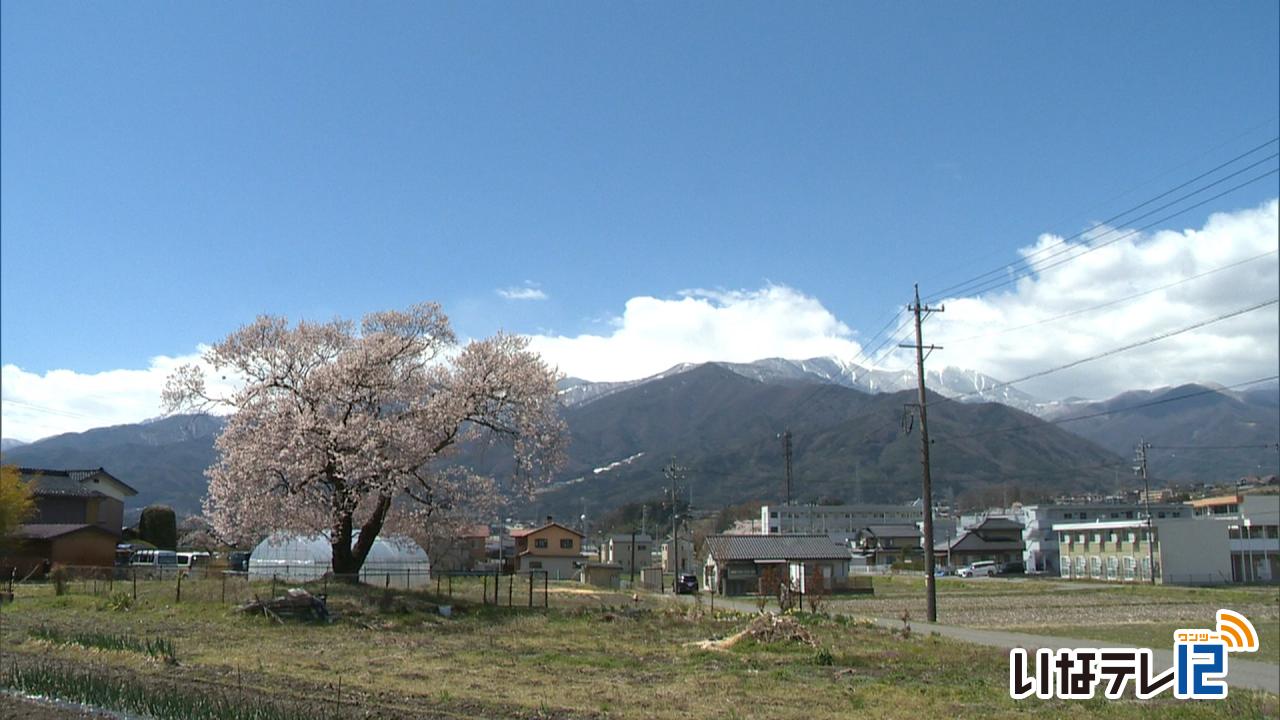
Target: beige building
553,547
1185,551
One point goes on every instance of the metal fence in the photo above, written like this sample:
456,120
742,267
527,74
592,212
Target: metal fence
216,585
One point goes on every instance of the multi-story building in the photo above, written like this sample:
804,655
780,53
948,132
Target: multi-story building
827,519
1186,551
1253,532
1040,542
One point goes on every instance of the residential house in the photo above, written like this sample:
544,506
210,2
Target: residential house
1186,551
994,538
888,544
631,551
466,549
555,548
739,564
78,519
683,561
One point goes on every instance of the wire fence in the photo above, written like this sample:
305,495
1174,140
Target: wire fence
146,584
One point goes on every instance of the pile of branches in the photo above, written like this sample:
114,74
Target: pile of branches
296,604
765,629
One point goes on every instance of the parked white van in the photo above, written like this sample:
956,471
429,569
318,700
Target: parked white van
982,568
154,558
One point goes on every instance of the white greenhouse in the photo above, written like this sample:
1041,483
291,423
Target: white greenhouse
392,561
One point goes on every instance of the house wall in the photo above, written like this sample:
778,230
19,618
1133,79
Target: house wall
59,509
554,534
557,568
619,551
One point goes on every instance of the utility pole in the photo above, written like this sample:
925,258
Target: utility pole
786,454
673,473
1141,459
926,496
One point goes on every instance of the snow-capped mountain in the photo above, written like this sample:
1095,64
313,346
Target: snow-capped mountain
970,385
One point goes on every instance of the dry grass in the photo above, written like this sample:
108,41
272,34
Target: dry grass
595,654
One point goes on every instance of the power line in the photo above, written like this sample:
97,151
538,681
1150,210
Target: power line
1208,151
1107,304
44,409
1114,351
1029,260
1086,249
1266,446
1114,411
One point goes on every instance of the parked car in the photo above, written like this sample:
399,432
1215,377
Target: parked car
238,561
982,568
1012,568
686,584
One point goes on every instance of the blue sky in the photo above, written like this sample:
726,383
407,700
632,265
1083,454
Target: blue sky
171,170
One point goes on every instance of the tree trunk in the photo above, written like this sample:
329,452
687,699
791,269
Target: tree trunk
349,558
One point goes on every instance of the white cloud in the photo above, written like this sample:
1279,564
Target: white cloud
979,332
528,291
652,334
33,405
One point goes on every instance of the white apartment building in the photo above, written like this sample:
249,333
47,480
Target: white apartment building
1040,542
1253,530
830,519
1186,551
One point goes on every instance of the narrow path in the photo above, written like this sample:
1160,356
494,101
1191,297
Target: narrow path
1245,674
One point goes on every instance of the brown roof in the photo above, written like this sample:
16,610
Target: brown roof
69,482
54,530
529,531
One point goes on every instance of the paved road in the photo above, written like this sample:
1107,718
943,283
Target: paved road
1247,674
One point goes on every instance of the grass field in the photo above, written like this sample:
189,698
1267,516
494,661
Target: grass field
592,654
1081,609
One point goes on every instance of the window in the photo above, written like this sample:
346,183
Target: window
1146,568
1080,567
566,543
540,542
1129,514
1130,568
1113,566
1097,537
642,548
1066,566
1095,567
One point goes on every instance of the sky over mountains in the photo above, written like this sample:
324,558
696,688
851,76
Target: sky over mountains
635,186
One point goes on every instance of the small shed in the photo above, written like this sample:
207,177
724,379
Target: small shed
72,544
602,574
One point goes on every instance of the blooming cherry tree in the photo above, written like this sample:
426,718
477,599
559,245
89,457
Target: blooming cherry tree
349,430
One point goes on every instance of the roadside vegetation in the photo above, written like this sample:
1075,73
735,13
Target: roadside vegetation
591,654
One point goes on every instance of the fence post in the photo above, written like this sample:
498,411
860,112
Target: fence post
224,587
406,578
451,585
530,589
545,585
497,579
511,582
484,596
273,584
134,573
178,598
